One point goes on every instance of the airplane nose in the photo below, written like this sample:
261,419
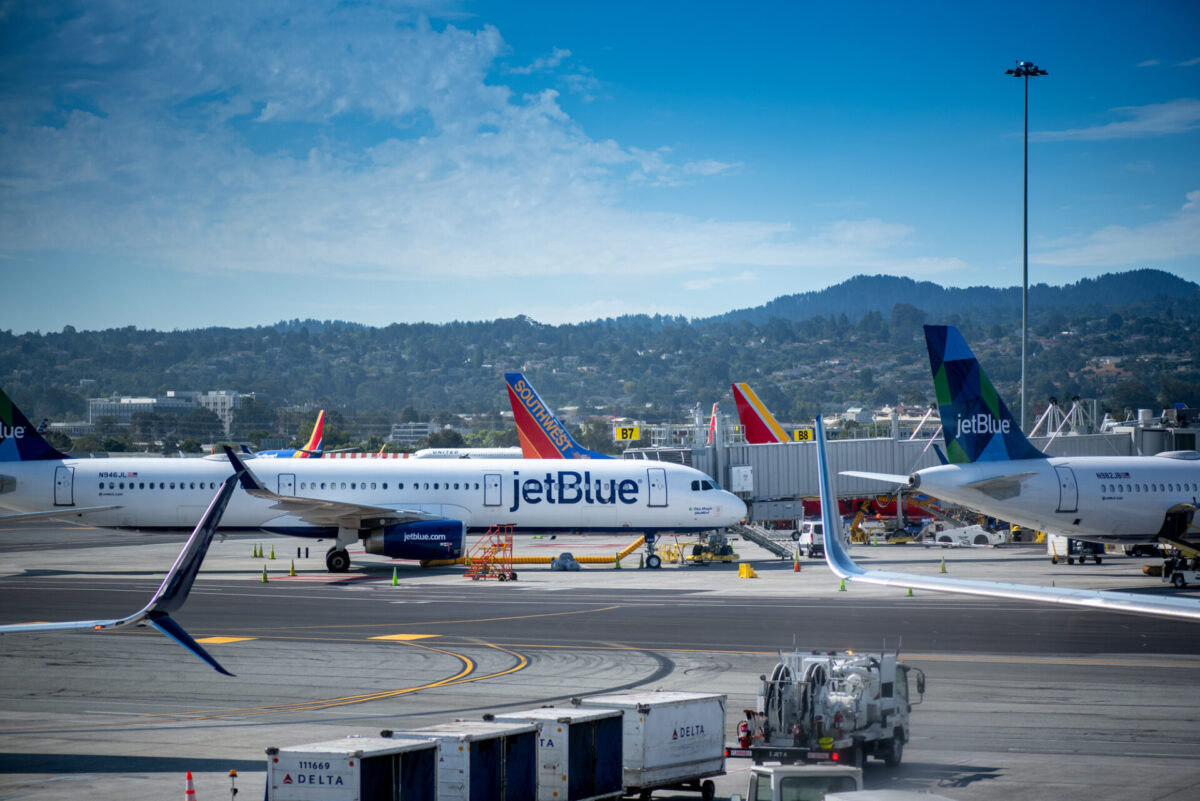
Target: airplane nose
736,509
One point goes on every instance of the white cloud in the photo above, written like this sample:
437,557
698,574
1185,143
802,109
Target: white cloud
1191,62
1158,119
1154,62
544,63
1175,237
353,144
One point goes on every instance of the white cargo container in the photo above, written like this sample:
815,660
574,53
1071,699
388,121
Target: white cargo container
579,752
354,769
483,761
669,739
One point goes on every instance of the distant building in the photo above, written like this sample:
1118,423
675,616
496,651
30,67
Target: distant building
222,403
409,434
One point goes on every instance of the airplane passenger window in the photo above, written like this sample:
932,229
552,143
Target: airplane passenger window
426,485
322,485
172,485
193,485
122,485
142,485
352,485
385,485
435,485
372,485
343,485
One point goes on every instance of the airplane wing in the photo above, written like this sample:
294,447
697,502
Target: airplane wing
59,513
844,567
170,595
319,512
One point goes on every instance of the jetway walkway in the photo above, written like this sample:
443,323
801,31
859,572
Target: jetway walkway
777,542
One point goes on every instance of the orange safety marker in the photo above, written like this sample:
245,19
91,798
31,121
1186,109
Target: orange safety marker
190,793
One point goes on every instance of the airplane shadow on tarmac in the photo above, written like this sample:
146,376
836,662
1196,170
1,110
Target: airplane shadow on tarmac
924,777
66,764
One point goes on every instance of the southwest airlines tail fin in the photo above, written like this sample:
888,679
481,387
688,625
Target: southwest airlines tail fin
19,440
542,436
976,424
760,425
312,449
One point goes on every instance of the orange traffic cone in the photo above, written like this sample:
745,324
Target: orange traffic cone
796,566
190,793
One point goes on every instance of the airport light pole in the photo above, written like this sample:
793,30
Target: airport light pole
1026,70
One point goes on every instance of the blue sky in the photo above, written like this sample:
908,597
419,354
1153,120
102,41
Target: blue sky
169,165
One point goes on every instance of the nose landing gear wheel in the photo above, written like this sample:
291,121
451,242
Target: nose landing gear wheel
653,561
337,560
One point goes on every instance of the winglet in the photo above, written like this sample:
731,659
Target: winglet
173,591
835,555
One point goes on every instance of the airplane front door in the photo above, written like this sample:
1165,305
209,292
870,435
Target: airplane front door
64,486
492,495
1068,490
287,483
658,486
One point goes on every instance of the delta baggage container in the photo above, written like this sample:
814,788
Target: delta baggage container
482,760
579,752
669,739
354,769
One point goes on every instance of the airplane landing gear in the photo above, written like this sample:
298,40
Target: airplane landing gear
653,560
337,560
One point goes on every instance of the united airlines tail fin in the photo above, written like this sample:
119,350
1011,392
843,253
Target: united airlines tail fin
976,424
760,425
20,441
542,435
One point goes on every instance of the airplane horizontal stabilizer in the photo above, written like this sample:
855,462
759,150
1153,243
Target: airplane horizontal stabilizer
890,478
844,567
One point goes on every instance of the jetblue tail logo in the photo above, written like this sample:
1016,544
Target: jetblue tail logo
542,435
976,424
19,440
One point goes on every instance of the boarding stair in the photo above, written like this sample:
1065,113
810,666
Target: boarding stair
779,543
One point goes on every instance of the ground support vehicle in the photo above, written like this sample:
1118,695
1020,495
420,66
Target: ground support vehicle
1182,572
1061,548
831,707
810,539
360,768
670,740
789,782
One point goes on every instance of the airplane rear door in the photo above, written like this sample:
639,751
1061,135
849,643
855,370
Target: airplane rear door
1068,490
287,483
492,495
64,486
658,486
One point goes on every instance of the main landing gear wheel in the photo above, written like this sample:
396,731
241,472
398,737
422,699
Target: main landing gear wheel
337,560
653,561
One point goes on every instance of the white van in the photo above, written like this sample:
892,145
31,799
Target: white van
810,538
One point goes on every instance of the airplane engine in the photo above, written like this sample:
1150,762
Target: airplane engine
422,540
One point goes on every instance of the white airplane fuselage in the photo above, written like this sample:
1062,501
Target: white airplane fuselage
531,494
1097,498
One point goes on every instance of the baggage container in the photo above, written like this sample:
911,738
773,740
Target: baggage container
669,739
354,769
482,761
579,752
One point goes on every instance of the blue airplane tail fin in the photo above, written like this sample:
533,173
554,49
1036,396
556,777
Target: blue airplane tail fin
976,424
20,440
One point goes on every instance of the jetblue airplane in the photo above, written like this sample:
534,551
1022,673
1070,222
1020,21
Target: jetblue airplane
420,509
171,594
995,470
542,435
844,567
